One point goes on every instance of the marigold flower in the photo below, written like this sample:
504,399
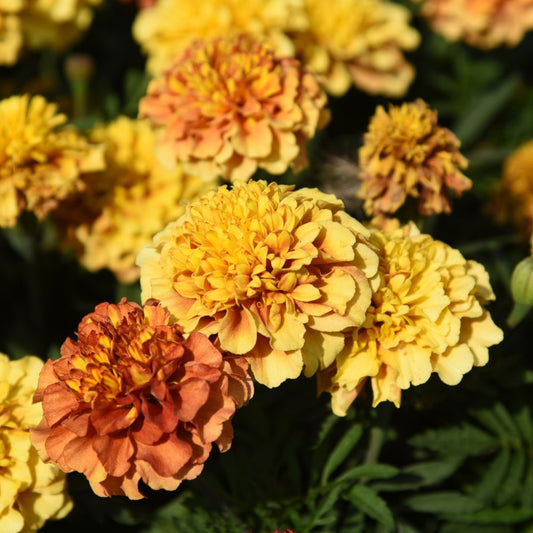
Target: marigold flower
512,199
170,27
11,37
483,24
228,106
122,207
427,316
360,42
132,400
406,153
278,274
39,164
32,491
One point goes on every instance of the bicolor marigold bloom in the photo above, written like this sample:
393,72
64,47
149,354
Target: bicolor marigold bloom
170,27
32,492
229,106
132,400
512,200
40,164
122,207
358,42
426,316
406,153
483,24
278,274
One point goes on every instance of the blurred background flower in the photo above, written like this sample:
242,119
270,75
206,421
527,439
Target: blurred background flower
278,274
229,106
132,400
31,492
121,208
40,164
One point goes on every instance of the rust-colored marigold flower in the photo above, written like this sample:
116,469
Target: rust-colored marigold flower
170,27
278,274
122,207
427,316
132,400
406,153
32,492
512,199
483,24
39,163
229,106
358,42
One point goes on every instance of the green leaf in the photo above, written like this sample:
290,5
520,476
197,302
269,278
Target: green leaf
513,481
471,528
341,451
493,477
489,419
527,487
504,515
326,504
373,471
443,502
523,420
456,441
369,502
484,109
507,421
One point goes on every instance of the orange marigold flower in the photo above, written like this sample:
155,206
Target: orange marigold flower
426,316
32,492
278,274
170,27
122,207
512,200
39,163
132,400
360,42
483,24
229,106
406,153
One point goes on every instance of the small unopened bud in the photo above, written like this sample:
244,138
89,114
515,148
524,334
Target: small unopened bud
522,282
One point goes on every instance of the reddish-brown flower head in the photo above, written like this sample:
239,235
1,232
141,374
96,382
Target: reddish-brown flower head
132,400
229,106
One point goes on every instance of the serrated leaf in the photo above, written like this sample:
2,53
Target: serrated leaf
507,420
454,527
463,441
325,504
504,515
373,471
527,487
443,502
369,502
525,424
513,480
489,419
493,477
341,451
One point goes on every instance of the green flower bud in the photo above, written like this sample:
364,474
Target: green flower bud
522,282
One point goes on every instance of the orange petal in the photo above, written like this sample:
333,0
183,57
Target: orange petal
237,332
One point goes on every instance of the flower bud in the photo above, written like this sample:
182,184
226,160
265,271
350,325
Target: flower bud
522,282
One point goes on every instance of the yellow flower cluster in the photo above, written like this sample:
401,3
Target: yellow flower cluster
426,316
345,42
483,24
360,42
406,153
39,163
40,23
32,492
278,274
165,30
229,106
512,200
122,207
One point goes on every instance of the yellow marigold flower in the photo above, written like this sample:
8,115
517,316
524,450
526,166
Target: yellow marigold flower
39,163
278,274
32,492
360,42
426,316
11,37
229,106
171,26
512,200
122,207
132,400
406,153
483,24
